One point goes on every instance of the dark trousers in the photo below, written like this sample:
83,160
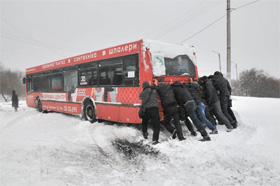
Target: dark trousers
210,115
197,123
184,117
224,106
190,108
230,111
189,124
216,109
153,114
169,113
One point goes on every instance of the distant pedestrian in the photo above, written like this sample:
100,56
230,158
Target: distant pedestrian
15,100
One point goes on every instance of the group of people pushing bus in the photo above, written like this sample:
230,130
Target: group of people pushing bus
203,102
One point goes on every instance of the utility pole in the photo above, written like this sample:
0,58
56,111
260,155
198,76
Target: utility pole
228,43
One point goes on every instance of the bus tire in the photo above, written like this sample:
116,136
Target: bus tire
89,112
39,106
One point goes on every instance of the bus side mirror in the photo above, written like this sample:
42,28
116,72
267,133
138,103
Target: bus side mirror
23,80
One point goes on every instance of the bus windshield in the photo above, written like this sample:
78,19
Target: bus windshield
179,65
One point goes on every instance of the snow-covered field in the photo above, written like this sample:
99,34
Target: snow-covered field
55,150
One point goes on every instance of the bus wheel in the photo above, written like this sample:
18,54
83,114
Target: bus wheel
89,113
39,106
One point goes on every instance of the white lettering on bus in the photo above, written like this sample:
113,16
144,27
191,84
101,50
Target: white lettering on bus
54,96
48,65
126,48
62,62
82,92
29,70
70,109
84,57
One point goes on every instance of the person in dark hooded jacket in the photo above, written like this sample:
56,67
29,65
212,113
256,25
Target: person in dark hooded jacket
222,85
214,102
170,110
15,100
193,89
184,98
149,97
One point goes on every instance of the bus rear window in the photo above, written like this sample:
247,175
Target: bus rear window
180,65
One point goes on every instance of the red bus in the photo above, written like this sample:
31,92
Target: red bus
106,84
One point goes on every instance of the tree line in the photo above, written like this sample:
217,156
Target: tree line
256,83
9,81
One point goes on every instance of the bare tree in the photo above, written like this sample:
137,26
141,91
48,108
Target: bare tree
256,83
10,80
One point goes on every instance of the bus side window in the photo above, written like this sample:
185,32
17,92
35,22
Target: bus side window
106,75
118,80
56,82
29,84
111,75
70,80
92,77
41,83
88,77
131,72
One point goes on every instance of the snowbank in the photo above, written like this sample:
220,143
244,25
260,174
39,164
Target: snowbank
55,149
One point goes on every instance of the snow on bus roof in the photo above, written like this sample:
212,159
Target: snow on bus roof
170,50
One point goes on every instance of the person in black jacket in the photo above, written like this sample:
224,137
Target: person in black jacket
184,99
193,89
214,102
15,100
222,85
170,110
209,114
149,97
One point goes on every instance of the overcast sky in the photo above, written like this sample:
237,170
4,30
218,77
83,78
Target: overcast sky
37,32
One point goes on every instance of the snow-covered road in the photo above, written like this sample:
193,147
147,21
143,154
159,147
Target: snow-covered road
39,149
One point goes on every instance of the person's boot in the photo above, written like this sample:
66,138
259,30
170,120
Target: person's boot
205,138
229,130
155,142
193,133
215,131
145,135
234,124
182,139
